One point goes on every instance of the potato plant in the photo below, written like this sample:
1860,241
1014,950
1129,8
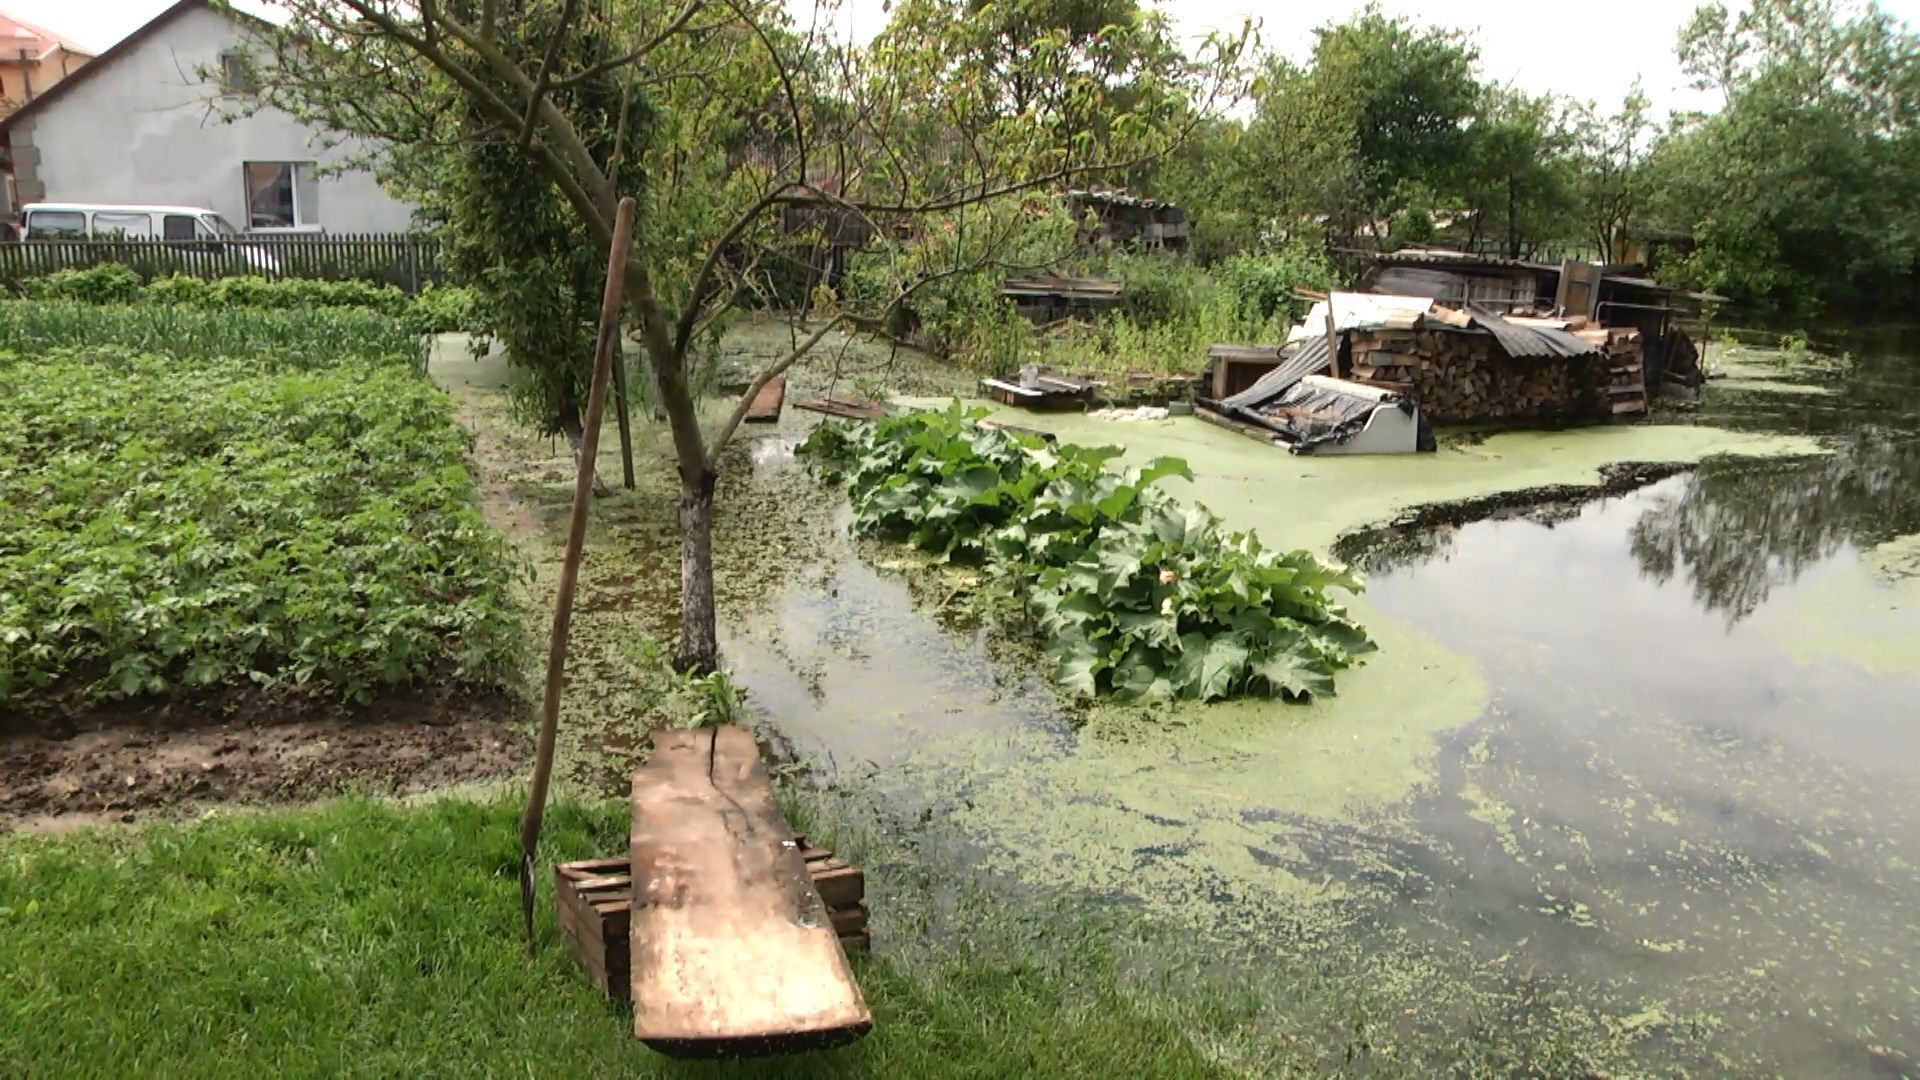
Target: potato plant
179,523
1137,594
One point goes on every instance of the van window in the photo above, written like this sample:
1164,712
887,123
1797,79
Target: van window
183,227
57,224
128,226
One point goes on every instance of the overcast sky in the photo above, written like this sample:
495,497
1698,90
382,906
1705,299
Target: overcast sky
1588,51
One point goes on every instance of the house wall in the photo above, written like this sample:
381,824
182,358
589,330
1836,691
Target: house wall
144,129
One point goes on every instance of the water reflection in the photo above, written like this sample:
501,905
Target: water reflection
1739,529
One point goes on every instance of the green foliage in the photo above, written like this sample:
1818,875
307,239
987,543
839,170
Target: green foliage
107,283
956,270
1137,595
1181,311
1805,187
441,309
284,338
1264,286
283,518
438,308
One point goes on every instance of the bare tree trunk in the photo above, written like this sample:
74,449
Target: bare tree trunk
699,646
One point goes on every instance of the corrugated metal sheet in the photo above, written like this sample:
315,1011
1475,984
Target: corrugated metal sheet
1523,342
1299,360
1443,257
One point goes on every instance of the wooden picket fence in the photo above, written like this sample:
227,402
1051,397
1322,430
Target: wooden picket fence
407,260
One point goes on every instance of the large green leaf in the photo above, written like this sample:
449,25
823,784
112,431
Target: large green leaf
1292,674
1208,668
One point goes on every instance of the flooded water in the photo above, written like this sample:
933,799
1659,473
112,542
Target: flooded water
1629,785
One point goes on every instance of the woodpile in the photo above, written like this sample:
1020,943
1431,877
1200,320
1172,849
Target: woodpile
595,897
1460,377
1622,371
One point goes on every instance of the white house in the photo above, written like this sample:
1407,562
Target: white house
138,125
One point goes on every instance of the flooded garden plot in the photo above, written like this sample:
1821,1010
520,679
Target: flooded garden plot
1608,795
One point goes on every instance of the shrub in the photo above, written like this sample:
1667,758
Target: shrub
1136,595
1263,284
441,309
107,283
177,523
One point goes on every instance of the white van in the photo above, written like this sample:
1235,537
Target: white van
99,221
114,221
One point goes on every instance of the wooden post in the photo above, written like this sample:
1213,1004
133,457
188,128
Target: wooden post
620,412
608,340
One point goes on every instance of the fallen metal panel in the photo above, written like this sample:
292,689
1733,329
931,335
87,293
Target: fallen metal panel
1299,360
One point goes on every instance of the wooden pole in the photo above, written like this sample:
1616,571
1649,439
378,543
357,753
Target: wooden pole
604,347
620,412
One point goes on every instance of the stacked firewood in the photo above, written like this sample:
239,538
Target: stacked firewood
1622,373
1463,378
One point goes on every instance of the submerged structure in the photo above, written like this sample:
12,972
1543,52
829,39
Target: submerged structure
1617,296
1437,362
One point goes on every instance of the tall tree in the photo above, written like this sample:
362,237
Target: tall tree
741,113
1518,176
1612,155
1803,187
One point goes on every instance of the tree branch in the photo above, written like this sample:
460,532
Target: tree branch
547,61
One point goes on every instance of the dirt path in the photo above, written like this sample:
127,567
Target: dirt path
129,763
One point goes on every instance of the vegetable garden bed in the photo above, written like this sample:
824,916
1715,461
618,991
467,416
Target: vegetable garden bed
196,502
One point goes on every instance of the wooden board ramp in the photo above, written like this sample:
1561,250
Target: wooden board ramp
594,898
733,951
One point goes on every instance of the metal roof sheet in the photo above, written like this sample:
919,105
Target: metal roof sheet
1297,361
1522,342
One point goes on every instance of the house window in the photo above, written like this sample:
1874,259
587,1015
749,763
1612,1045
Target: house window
281,195
236,73
122,226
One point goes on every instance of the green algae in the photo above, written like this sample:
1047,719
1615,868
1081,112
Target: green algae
1218,793
1863,613
1295,501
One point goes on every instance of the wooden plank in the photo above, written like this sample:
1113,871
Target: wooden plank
766,404
851,408
733,951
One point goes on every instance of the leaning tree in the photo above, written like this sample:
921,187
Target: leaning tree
731,123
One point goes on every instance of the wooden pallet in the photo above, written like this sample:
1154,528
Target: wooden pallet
595,897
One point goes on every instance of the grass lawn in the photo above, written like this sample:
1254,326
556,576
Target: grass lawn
374,938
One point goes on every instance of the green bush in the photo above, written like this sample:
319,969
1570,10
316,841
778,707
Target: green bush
437,309
287,338
1137,595
107,283
441,309
1263,284
174,523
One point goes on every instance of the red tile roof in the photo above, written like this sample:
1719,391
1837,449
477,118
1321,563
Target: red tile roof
18,34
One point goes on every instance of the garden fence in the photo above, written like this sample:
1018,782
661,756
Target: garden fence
406,260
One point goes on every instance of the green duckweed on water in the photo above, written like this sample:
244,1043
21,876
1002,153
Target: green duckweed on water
1865,613
1293,501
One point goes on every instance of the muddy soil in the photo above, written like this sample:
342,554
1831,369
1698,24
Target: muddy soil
124,764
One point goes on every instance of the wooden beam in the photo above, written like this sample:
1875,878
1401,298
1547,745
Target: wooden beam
733,951
766,404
